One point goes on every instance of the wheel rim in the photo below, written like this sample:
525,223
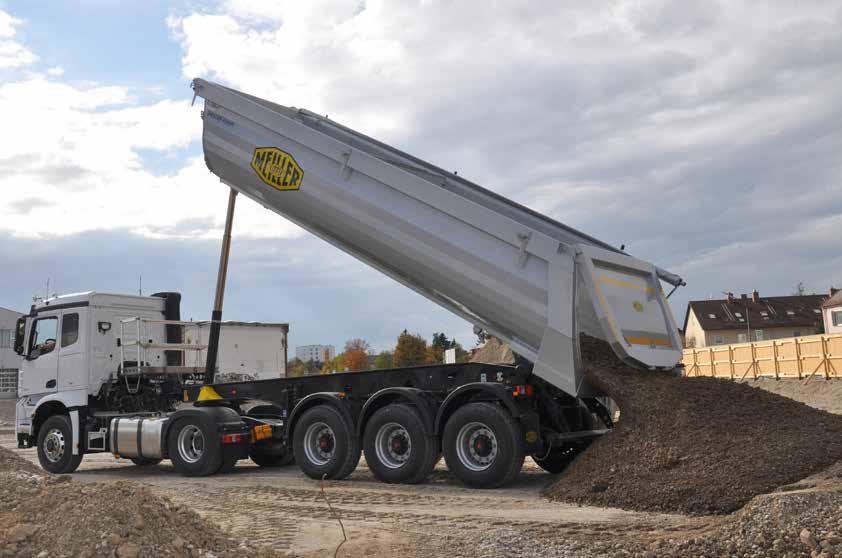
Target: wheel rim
191,443
54,445
476,446
393,445
319,443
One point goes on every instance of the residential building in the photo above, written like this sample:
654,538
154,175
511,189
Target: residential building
9,360
319,353
751,318
832,312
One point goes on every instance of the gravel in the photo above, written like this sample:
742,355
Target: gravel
693,445
54,516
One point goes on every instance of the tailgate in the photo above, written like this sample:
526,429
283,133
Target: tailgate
630,305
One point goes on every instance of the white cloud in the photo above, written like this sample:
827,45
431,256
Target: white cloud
12,53
79,157
55,71
682,131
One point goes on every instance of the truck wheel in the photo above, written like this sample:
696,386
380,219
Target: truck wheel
324,444
194,447
55,446
397,447
143,462
274,455
483,446
558,458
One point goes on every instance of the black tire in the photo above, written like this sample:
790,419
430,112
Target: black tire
55,446
227,465
483,446
144,462
558,457
397,446
334,451
201,458
271,455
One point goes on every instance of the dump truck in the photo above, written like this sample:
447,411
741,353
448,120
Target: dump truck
532,282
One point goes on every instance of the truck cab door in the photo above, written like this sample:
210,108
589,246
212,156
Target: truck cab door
72,364
39,373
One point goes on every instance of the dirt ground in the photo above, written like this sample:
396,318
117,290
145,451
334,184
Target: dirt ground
285,511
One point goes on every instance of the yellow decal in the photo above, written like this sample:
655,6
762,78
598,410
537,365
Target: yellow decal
277,168
650,341
638,306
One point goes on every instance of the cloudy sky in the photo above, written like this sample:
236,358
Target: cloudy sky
707,139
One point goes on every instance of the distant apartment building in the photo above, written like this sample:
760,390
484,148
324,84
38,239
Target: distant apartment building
9,359
320,353
739,319
832,312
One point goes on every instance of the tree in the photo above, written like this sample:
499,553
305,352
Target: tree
355,360
441,343
357,344
411,350
800,289
383,360
482,336
297,368
336,364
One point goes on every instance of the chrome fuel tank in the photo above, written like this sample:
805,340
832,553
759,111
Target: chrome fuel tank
137,437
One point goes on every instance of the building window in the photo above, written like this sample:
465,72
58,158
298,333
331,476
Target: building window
5,338
758,334
836,316
69,329
742,338
718,340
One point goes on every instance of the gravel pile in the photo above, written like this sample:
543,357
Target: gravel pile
693,445
51,516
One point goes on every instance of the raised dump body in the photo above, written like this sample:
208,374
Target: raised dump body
525,278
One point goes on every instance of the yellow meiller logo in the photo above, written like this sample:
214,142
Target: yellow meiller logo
277,168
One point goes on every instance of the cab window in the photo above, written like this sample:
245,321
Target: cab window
43,337
69,329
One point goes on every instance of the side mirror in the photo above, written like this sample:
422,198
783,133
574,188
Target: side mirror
20,334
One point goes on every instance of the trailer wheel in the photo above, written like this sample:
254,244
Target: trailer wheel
144,462
397,447
194,447
325,444
55,446
558,458
274,455
483,446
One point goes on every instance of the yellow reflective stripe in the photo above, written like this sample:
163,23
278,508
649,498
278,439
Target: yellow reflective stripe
648,341
626,284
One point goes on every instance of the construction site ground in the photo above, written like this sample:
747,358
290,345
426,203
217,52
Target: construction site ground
283,509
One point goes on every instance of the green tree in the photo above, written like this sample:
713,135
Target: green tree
383,360
411,350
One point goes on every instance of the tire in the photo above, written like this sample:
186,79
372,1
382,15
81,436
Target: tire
325,445
558,458
144,462
55,443
483,446
397,446
274,455
194,447
227,465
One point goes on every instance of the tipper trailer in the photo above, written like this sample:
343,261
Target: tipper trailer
533,282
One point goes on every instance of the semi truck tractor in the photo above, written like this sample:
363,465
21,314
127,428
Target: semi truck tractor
103,373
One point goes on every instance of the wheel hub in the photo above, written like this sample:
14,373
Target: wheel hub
54,445
476,446
393,445
191,443
319,443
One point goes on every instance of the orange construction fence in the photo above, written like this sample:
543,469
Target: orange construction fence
794,357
